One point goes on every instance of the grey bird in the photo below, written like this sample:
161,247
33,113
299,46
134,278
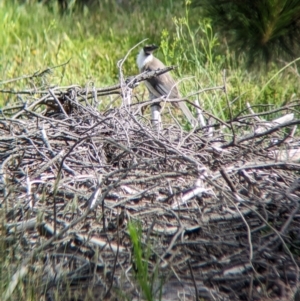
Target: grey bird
162,85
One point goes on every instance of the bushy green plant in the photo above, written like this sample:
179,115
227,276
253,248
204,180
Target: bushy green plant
202,56
265,30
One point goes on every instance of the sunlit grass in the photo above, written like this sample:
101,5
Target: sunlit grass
199,53
34,37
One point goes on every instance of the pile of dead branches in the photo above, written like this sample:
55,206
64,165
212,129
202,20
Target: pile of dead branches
217,206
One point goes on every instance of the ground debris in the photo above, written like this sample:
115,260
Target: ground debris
219,208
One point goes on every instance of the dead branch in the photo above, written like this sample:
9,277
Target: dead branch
218,211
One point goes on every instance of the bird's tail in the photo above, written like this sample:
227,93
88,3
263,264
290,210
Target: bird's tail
188,114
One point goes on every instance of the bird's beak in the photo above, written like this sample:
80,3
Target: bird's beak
154,47
150,48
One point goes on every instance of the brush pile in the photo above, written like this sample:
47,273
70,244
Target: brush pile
215,209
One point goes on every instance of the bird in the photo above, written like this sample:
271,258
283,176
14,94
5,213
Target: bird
164,84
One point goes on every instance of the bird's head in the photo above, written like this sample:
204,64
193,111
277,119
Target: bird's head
148,49
145,55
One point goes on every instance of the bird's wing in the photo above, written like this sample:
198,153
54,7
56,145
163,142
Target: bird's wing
166,86
162,85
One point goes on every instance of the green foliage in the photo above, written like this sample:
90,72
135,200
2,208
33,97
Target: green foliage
193,47
141,255
34,36
202,53
263,29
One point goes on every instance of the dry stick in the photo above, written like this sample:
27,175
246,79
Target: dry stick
3,175
86,95
252,112
24,268
205,90
229,107
56,184
169,148
124,141
129,51
96,124
210,115
91,112
180,230
126,89
175,120
95,102
46,118
131,81
133,197
45,140
150,229
286,165
25,107
254,115
280,238
292,214
24,92
248,232
111,102
110,187
12,108
281,141
47,165
194,281
154,177
35,74
53,154
158,100
107,294
250,246
230,184
124,129
58,102
141,180
227,180
267,132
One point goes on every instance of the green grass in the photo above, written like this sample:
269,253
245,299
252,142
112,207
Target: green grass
202,56
141,256
34,37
